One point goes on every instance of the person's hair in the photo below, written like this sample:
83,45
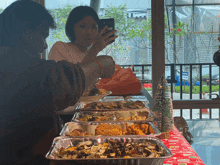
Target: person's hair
76,15
30,13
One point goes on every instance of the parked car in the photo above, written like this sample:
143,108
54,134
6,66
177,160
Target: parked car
186,83
214,80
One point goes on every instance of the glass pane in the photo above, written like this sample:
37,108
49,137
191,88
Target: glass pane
178,2
4,4
207,2
207,18
190,2
129,48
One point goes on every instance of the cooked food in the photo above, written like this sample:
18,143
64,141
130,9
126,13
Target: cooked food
113,118
107,129
95,92
114,130
95,118
79,132
111,149
114,105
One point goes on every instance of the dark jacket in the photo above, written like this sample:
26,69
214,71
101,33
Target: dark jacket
31,91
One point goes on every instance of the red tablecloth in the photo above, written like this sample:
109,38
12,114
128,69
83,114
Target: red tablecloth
183,153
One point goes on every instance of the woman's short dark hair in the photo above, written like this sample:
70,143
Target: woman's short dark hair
77,14
31,13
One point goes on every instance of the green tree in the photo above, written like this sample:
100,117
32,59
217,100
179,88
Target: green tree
60,15
122,24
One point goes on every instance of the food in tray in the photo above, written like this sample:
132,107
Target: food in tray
107,129
95,118
111,149
114,130
95,92
133,118
79,132
112,118
114,105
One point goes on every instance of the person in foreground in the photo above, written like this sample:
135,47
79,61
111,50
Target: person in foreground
33,89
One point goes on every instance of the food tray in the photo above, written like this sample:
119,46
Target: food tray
136,98
82,105
66,142
113,98
93,98
90,127
97,116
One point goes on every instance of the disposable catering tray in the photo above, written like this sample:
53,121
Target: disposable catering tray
133,160
119,115
75,129
112,105
113,98
136,98
94,98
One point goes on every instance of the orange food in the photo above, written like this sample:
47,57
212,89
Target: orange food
106,129
151,131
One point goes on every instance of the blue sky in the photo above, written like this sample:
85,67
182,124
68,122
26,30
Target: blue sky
5,3
49,3
58,3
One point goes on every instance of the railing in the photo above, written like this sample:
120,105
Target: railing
197,69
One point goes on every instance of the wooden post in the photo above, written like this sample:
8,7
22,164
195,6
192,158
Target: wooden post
42,2
158,47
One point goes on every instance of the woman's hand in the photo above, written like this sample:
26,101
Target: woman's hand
103,39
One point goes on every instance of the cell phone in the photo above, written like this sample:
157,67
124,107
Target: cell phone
110,22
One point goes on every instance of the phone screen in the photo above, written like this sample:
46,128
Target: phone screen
109,22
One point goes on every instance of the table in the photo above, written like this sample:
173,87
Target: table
183,153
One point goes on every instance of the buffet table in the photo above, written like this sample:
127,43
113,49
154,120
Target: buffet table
183,153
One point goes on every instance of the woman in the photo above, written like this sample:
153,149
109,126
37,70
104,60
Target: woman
85,43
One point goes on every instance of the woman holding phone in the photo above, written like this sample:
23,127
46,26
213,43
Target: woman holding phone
85,40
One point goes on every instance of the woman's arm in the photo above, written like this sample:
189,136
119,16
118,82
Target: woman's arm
57,52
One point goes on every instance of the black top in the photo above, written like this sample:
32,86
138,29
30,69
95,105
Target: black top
31,91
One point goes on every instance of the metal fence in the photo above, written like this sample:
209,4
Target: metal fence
199,74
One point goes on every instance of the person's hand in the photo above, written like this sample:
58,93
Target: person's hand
108,66
103,39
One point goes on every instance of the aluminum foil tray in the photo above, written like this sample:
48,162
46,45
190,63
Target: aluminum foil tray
66,142
90,128
82,104
136,98
94,98
113,98
113,115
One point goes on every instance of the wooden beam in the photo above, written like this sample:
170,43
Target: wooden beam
196,104
158,45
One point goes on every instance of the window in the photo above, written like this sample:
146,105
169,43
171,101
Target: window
4,4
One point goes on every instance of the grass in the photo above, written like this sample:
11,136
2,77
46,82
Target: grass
195,89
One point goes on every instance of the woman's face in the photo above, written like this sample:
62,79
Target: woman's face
85,31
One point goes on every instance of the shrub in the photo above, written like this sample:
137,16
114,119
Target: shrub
195,89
